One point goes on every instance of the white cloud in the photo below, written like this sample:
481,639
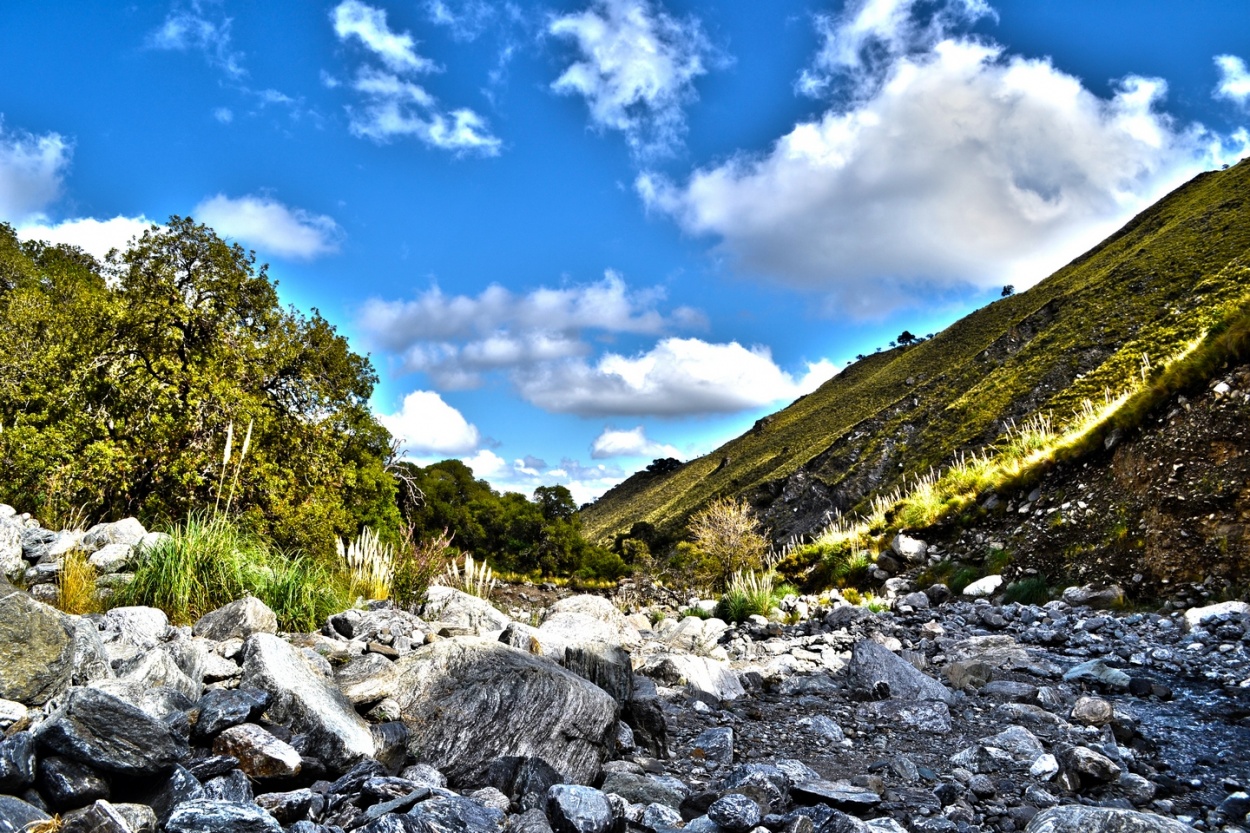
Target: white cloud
951,165
425,424
359,20
1234,79
636,70
31,170
457,338
466,19
614,442
271,226
190,29
521,475
224,115
392,105
678,377
95,237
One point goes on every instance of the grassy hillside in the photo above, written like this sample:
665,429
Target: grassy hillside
1113,314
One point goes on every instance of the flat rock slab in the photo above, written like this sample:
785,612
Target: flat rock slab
467,701
306,701
208,816
931,716
836,794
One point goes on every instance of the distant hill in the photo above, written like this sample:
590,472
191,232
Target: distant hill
1111,315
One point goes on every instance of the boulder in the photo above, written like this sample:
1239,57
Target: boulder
237,620
931,716
580,619
1097,670
12,564
1195,616
467,701
306,701
706,678
460,610
578,809
260,754
878,673
1077,818
127,531
111,558
43,651
208,816
16,816
110,735
909,549
454,814
983,587
367,679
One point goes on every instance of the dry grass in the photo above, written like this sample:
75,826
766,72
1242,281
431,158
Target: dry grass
474,578
76,583
370,565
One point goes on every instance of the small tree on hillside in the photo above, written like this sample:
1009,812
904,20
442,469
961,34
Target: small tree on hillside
1008,290
728,539
905,338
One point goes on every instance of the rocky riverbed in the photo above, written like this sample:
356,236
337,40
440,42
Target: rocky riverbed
938,715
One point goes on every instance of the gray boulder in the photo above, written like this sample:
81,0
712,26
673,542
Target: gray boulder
468,701
16,816
306,701
237,620
127,531
454,814
12,564
460,610
577,809
1077,818
109,734
1099,596
706,678
367,679
581,619
877,672
43,651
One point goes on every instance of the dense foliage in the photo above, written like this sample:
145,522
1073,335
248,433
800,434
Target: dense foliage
118,382
515,533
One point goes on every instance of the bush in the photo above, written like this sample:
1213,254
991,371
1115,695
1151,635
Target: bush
748,594
417,563
729,540
1029,591
210,561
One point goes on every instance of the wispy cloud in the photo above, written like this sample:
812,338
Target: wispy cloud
456,339
392,104
271,226
32,168
1234,79
678,377
95,237
636,69
942,163
614,442
191,28
466,19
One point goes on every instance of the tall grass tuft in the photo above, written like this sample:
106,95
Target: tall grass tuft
76,585
747,594
209,561
418,562
370,565
473,578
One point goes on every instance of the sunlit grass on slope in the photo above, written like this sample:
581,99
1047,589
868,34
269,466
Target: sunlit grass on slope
1027,450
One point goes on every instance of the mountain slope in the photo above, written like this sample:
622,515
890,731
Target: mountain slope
1138,298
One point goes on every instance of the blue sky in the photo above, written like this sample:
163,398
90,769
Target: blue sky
578,236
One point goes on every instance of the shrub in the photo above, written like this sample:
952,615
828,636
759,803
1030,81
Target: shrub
1029,591
729,539
417,563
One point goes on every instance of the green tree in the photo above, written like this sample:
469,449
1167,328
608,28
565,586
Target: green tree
144,362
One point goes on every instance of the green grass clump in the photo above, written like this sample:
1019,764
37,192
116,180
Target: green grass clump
750,594
962,577
210,560
1029,591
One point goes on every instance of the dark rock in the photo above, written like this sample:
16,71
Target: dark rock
515,776
607,666
390,743
179,786
17,762
16,815
393,824
531,821
103,817
221,708
234,786
67,784
453,814
1089,766
715,745
735,812
878,673
307,702
212,766
768,784
646,717
493,701
642,789
577,809
100,730
353,781
207,816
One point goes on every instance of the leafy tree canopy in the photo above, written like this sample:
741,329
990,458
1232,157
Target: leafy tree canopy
118,382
